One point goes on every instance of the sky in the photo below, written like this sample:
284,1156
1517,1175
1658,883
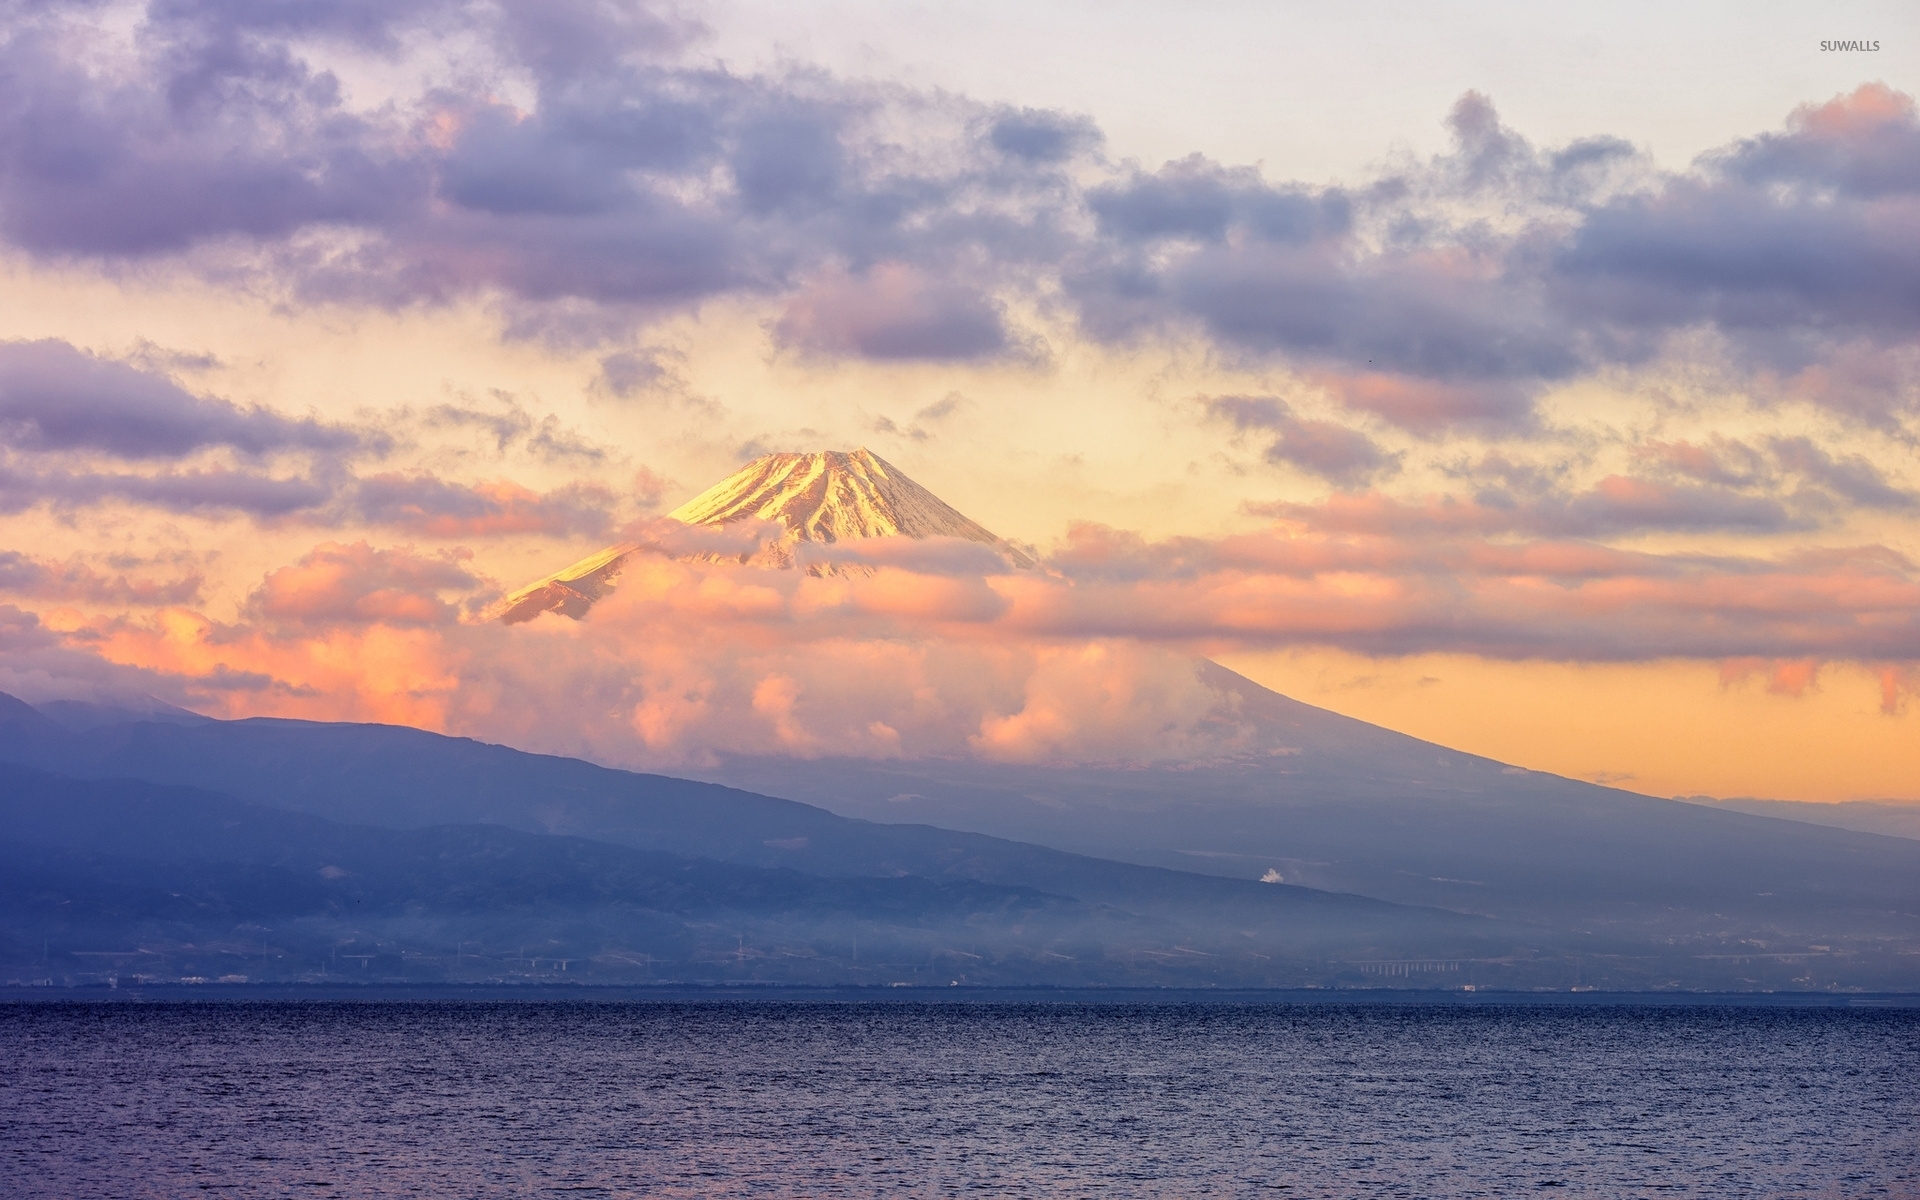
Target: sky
1542,383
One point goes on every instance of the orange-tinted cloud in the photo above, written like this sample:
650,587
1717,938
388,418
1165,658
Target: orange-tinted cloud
1101,700
1793,677
378,672
1088,656
1723,461
1430,403
335,584
1898,684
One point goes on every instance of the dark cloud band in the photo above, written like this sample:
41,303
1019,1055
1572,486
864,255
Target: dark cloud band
54,397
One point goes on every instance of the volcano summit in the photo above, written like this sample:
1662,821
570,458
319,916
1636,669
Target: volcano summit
831,496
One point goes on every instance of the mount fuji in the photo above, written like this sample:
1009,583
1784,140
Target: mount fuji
813,499
1306,795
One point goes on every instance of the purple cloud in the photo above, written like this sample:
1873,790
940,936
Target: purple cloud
1800,246
42,579
427,505
219,134
1201,200
632,183
635,182
1040,136
54,397
212,491
1334,452
893,312
1853,478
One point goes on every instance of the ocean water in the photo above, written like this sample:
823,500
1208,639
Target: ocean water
772,1099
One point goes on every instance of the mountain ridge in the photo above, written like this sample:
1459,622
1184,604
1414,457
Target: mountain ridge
1539,879
129,869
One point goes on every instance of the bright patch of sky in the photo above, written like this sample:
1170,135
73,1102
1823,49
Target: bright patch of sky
1322,91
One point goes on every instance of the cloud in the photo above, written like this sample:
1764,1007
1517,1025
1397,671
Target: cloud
1798,245
1898,684
430,506
419,503
370,23
1623,503
1722,461
685,661
942,408
1426,338
892,312
213,491
1091,657
509,425
1740,477
1614,505
63,411
924,557
43,579
649,488
1334,452
1791,678
1867,144
626,374
357,584
625,180
1199,200
1543,599
54,397
217,130
1457,291
38,661
1042,136
1852,478
1395,305
1433,405
632,184
1100,701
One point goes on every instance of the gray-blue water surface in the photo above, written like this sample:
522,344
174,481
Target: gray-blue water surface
751,1099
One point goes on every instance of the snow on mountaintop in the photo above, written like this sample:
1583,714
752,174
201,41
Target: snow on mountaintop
832,496
829,497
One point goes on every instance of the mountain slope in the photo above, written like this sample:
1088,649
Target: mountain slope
107,873
1335,803
407,779
1694,924
129,872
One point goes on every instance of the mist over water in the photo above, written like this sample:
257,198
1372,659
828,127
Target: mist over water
770,1099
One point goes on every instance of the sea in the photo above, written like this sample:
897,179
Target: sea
756,1098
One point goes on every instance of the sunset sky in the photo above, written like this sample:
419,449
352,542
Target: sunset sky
1544,383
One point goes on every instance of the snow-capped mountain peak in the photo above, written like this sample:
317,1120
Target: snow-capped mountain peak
829,496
